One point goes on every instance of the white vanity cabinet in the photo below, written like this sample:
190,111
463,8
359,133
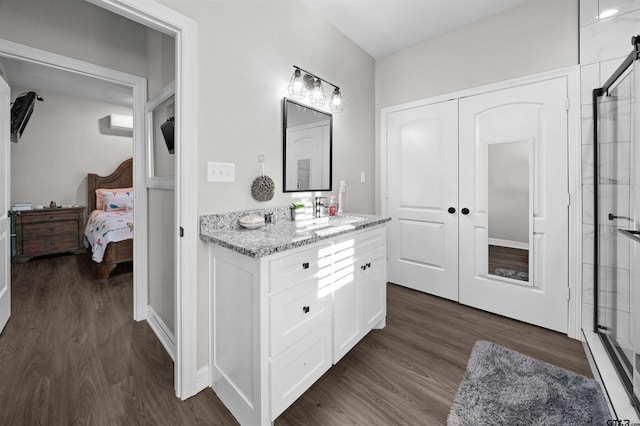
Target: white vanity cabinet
359,298
279,322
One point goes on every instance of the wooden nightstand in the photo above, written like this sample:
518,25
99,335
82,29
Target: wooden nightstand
49,231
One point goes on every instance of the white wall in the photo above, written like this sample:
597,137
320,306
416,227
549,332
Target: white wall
536,36
66,138
76,29
246,53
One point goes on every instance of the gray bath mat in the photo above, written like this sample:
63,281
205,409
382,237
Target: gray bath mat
504,387
510,273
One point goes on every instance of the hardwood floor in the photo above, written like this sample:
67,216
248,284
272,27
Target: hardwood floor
508,258
71,354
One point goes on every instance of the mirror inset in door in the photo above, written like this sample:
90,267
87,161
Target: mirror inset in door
508,208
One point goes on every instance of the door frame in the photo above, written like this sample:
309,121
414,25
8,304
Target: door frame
572,74
184,30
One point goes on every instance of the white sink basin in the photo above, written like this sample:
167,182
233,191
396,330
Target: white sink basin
340,224
345,220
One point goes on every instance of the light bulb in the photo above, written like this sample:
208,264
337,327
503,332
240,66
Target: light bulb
296,87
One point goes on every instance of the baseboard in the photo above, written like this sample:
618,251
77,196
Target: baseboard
162,332
203,378
508,243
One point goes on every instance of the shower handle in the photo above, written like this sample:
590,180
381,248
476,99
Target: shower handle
612,217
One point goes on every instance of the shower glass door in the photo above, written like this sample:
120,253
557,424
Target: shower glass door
617,223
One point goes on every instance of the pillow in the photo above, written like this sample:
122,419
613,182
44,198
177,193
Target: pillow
99,191
117,201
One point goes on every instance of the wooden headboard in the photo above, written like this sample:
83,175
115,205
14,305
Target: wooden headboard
122,177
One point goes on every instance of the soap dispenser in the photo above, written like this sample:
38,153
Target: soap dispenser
332,206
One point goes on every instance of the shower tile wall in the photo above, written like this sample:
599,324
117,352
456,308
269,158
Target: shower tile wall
603,46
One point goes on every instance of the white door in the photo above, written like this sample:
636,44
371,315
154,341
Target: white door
422,188
5,228
308,145
530,119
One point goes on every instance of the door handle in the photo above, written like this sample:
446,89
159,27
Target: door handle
452,210
464,211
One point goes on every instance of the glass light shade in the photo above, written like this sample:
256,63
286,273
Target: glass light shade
336,102
296,87
317,96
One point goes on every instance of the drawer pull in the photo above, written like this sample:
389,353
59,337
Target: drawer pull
305,265
305,309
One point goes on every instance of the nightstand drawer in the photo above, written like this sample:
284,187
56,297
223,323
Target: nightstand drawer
52,244
53,215
43,229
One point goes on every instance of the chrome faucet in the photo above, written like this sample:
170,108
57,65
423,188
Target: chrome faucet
320,205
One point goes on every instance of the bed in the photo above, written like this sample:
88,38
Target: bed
107,250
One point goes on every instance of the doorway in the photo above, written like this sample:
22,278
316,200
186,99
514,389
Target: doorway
185,232
442,204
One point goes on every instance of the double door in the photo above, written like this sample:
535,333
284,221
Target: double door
477,189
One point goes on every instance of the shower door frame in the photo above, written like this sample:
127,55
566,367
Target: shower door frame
596,94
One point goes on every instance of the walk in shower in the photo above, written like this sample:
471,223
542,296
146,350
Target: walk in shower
616,112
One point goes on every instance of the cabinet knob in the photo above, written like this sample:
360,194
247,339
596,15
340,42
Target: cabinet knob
52,242
363,267
464,211
305,309
368,265
452,210
51,228
305,265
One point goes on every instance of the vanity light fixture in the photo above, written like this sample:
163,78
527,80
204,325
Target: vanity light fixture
299,85
336,101
317,96
297,89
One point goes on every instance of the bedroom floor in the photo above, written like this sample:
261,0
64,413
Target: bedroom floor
71,354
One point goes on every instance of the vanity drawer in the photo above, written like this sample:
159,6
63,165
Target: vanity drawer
296,312
296,267
295,370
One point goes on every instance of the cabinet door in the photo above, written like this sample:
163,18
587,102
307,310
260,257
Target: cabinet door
347,301
296,369
347,318
373,286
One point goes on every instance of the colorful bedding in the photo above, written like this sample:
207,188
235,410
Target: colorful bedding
107,227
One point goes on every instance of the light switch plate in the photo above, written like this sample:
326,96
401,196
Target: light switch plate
221,172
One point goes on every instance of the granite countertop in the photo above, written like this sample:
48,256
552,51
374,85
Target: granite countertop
284,234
